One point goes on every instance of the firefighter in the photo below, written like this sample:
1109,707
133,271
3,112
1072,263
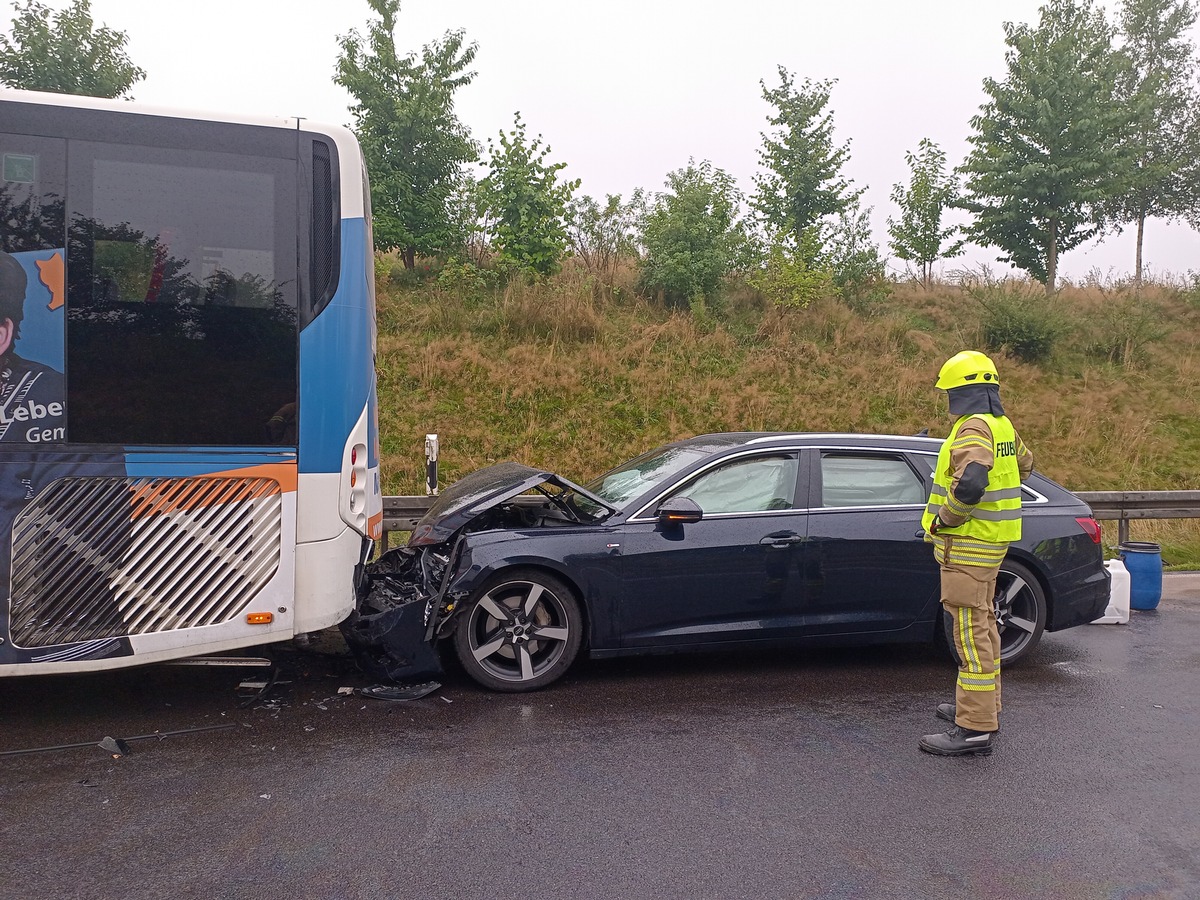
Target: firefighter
973,514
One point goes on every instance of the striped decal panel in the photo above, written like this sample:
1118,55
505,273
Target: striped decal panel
97,558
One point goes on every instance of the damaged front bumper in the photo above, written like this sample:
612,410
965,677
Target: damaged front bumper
404,607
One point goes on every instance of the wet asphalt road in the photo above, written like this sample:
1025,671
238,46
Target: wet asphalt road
790,775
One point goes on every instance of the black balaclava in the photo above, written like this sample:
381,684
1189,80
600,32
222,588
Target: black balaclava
975,398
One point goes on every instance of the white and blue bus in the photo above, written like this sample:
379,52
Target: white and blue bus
189,455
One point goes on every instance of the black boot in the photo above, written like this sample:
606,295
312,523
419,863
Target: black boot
947,710
958,741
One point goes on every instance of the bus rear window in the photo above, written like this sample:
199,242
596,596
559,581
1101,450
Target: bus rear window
180,327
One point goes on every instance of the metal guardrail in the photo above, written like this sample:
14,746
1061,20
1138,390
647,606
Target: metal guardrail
403,513
1123,506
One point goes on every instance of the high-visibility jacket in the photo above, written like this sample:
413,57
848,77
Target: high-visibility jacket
996,518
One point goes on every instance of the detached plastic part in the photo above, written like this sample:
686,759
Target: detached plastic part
1118,597
400,691
115,746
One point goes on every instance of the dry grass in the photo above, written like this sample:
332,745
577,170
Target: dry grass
576,376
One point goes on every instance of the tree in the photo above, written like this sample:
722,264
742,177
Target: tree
1048,147
602,235
802,183
525,202
65,53
415,147
693,235
918,236
1159,91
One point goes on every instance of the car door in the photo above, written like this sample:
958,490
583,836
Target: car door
866,569
731,576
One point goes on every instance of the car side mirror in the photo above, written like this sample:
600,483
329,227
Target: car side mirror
679,511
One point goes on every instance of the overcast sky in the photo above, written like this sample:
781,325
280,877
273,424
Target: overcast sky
626,91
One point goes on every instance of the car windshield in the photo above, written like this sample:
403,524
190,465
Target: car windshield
620,485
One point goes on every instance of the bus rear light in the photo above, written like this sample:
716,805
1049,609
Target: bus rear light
263,618
1091,527
359,501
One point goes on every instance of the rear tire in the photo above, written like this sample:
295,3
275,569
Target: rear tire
1020,611
1020,614
520,632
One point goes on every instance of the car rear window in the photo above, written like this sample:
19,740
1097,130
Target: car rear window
862,480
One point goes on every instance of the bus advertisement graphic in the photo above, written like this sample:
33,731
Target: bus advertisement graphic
32,390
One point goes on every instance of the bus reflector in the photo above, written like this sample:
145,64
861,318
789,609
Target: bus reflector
260,618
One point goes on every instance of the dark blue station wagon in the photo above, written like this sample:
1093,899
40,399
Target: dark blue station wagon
717,541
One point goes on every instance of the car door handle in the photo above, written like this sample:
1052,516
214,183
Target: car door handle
782,539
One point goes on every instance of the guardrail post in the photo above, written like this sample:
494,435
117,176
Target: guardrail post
431,460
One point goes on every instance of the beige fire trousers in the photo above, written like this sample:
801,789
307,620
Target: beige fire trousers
967,595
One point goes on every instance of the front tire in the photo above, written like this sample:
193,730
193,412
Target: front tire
520,632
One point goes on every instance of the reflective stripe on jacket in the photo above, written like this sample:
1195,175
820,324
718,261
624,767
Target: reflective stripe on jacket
996,519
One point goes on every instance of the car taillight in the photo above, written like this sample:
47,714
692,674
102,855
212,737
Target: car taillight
1091,526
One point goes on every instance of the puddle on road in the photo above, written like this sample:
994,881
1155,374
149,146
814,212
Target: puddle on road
1073,669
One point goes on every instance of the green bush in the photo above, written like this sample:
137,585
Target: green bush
859,272
1190,290
1018,319
794,276
465,279
1125,329
693,236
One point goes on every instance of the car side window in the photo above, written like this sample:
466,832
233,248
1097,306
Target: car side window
866,480
759,484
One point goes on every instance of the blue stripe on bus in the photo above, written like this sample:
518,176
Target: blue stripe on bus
333,394
187,461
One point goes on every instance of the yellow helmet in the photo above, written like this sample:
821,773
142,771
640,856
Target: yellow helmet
967,367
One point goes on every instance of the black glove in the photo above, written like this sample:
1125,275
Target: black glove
935,525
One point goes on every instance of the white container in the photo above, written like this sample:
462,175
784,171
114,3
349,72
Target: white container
1118,596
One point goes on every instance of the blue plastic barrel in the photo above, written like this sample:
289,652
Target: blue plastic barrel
1143,560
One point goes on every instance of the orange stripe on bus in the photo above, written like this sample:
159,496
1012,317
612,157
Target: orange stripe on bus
201,491
284,473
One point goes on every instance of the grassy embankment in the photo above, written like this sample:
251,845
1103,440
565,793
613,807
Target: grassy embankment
576,379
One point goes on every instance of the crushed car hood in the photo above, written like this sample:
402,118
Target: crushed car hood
482,490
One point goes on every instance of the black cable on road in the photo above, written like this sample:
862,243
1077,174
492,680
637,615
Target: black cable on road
158,735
